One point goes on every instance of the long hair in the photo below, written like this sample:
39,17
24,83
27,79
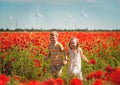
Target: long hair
77,41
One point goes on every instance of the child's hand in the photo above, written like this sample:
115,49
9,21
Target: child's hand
89,62
64,62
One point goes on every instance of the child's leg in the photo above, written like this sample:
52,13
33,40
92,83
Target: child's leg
80,76
59,73
54,71
59,70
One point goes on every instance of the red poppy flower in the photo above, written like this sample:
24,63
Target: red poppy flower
109,69
98,74
3,79
98,82
60,81
75,81
92,61
37,63
90,76
115,76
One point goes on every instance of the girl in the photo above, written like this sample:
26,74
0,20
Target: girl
76,54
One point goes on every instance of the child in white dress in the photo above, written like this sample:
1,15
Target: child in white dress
76,54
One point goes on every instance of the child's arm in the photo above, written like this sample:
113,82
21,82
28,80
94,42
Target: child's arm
48,56
65,57
63,50
65,54
83,56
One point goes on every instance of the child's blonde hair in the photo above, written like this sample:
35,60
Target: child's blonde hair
54,33
77,41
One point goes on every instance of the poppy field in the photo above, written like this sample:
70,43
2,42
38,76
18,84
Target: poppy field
22,58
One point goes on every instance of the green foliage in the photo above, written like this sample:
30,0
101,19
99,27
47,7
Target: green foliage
21,62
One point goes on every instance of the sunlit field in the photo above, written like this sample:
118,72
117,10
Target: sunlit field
22,58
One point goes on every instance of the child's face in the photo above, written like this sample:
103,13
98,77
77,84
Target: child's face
73,44
53,39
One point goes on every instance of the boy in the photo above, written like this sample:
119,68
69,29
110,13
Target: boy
56,51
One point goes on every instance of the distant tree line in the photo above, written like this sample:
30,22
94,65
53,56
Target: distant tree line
58,29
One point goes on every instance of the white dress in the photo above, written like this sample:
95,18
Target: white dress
75,64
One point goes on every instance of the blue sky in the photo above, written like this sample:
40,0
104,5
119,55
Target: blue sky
62,14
